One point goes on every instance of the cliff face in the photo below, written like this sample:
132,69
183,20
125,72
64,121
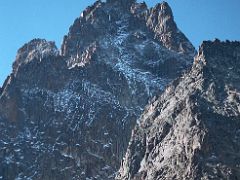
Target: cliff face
192,130
69,114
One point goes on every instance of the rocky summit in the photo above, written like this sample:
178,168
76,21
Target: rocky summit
192,130
69,113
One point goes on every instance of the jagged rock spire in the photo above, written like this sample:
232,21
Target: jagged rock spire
123,3
161,21
36,48
218,60
161,18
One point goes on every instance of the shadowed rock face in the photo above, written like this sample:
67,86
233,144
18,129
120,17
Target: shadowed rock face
69,115
192,130
36,49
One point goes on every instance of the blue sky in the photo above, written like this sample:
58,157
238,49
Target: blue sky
23,20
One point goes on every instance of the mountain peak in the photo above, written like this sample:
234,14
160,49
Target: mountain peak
217,46
125,3
162,17
214,55
165,8
161,21
84,103
34,49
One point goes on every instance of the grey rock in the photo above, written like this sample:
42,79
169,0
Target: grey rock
191,131
161,21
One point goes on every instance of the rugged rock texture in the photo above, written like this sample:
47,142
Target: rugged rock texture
69,115
192,131
36,49
161,21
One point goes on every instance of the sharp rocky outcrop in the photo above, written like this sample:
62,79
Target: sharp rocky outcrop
69,114
192,130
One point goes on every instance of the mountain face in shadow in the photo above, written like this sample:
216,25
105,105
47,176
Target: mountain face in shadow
69,113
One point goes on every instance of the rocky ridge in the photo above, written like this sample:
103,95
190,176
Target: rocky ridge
192,130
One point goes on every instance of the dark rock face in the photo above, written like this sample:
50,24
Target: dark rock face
36,49
69,115
192,130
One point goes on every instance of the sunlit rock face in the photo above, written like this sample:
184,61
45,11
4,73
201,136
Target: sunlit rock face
192,130
69,114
